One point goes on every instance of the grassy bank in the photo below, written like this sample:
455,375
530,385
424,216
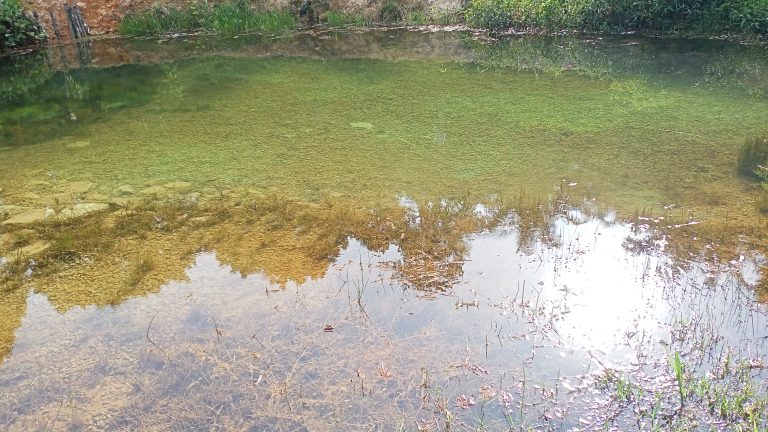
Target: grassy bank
225,18
669,16
749,17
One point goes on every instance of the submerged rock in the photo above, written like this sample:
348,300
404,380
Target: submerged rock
33,249
124,190
78,187
178,186
125,202
58,199
31,195
98,197
30,216
81,210
38,183
154,190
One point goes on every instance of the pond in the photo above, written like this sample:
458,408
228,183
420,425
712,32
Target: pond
383,229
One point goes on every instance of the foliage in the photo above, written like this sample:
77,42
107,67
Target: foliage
708,16
390,12
17,29
338,19
225,18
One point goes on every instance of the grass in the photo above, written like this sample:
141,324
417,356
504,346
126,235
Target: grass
225,18
339,19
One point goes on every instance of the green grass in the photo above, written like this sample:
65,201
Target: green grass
339,19
226,18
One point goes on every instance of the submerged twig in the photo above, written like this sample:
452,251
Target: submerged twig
148,338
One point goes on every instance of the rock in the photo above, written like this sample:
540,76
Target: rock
98,197
178,186
30,216
38,183
31,195
58,199
10,210
125,202
124,190
199,220
80,210
361,125
33,249
78,187
154,190
192,198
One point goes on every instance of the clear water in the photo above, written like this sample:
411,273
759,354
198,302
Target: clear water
383,230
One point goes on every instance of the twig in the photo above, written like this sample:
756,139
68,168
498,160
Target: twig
149,339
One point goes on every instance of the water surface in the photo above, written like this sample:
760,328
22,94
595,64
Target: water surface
382,230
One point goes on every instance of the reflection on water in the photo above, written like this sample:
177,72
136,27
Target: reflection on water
355,348
382,230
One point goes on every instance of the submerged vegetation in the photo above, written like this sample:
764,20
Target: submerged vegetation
753,164
227,18
17,28
688,16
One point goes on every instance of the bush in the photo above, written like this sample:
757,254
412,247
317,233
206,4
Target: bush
225,18
17,29
707,16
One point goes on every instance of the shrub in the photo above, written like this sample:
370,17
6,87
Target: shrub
17,29
709,16
225,18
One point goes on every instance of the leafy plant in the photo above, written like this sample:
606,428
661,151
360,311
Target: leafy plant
17,28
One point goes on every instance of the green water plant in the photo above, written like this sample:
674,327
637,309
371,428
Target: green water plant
677,366
17,27
753,157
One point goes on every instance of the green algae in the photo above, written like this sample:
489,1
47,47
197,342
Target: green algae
283,123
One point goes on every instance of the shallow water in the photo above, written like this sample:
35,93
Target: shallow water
382,230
